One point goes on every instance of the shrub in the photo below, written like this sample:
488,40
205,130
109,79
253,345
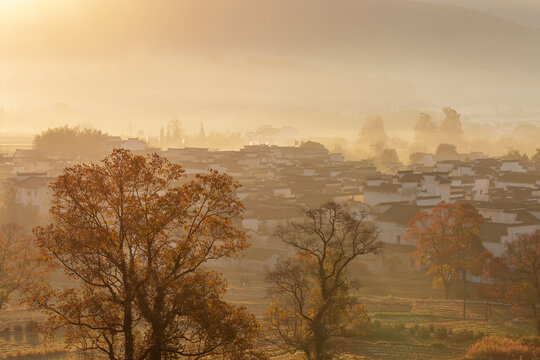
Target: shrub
463,335
423,332
31,326
441,333
390,332
17,328
413,329
502,348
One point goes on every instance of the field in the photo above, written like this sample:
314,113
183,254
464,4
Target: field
404,327
397,319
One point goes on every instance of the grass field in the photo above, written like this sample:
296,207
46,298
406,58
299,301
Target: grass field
396,314
405,326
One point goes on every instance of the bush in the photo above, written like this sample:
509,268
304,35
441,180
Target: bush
414,329
423,332
441,333
31,326
463,335
502,348
390,332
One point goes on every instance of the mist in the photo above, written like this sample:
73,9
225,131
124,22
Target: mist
126,66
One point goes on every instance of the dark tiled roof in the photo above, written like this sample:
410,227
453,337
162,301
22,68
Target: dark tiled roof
400,214
519,178
492,232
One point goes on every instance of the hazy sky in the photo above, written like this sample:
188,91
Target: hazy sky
526,12
236,64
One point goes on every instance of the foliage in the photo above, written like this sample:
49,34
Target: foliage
447,241
136,237
446,149
451,125
425,130
390,332
502,348
311,292
513,154
372,136
19,262
313,146
386,158
174,135
12,211
523,258
71,141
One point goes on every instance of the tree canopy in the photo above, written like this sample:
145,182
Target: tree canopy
136,236
448,244
71,141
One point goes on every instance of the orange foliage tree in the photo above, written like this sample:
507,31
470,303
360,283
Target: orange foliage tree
448,243
311,292
523,258
136,235
19,262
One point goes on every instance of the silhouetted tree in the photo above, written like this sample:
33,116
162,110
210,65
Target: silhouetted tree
425,130
71,142
536,157
416,157
174,133
386,159
313,146
451,125
373,135
446,149
310,293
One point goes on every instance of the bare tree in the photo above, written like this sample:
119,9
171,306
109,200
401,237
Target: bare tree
311,292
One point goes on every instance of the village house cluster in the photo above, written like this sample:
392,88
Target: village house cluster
278,180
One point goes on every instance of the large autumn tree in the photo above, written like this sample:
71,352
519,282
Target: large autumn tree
136,235
522,256
448,244
311,292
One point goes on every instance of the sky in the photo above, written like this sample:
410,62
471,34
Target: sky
129,65
526,12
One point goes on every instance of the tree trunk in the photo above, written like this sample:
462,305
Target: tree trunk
536,319
464,294
128,334
446,290
319,345
155,351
